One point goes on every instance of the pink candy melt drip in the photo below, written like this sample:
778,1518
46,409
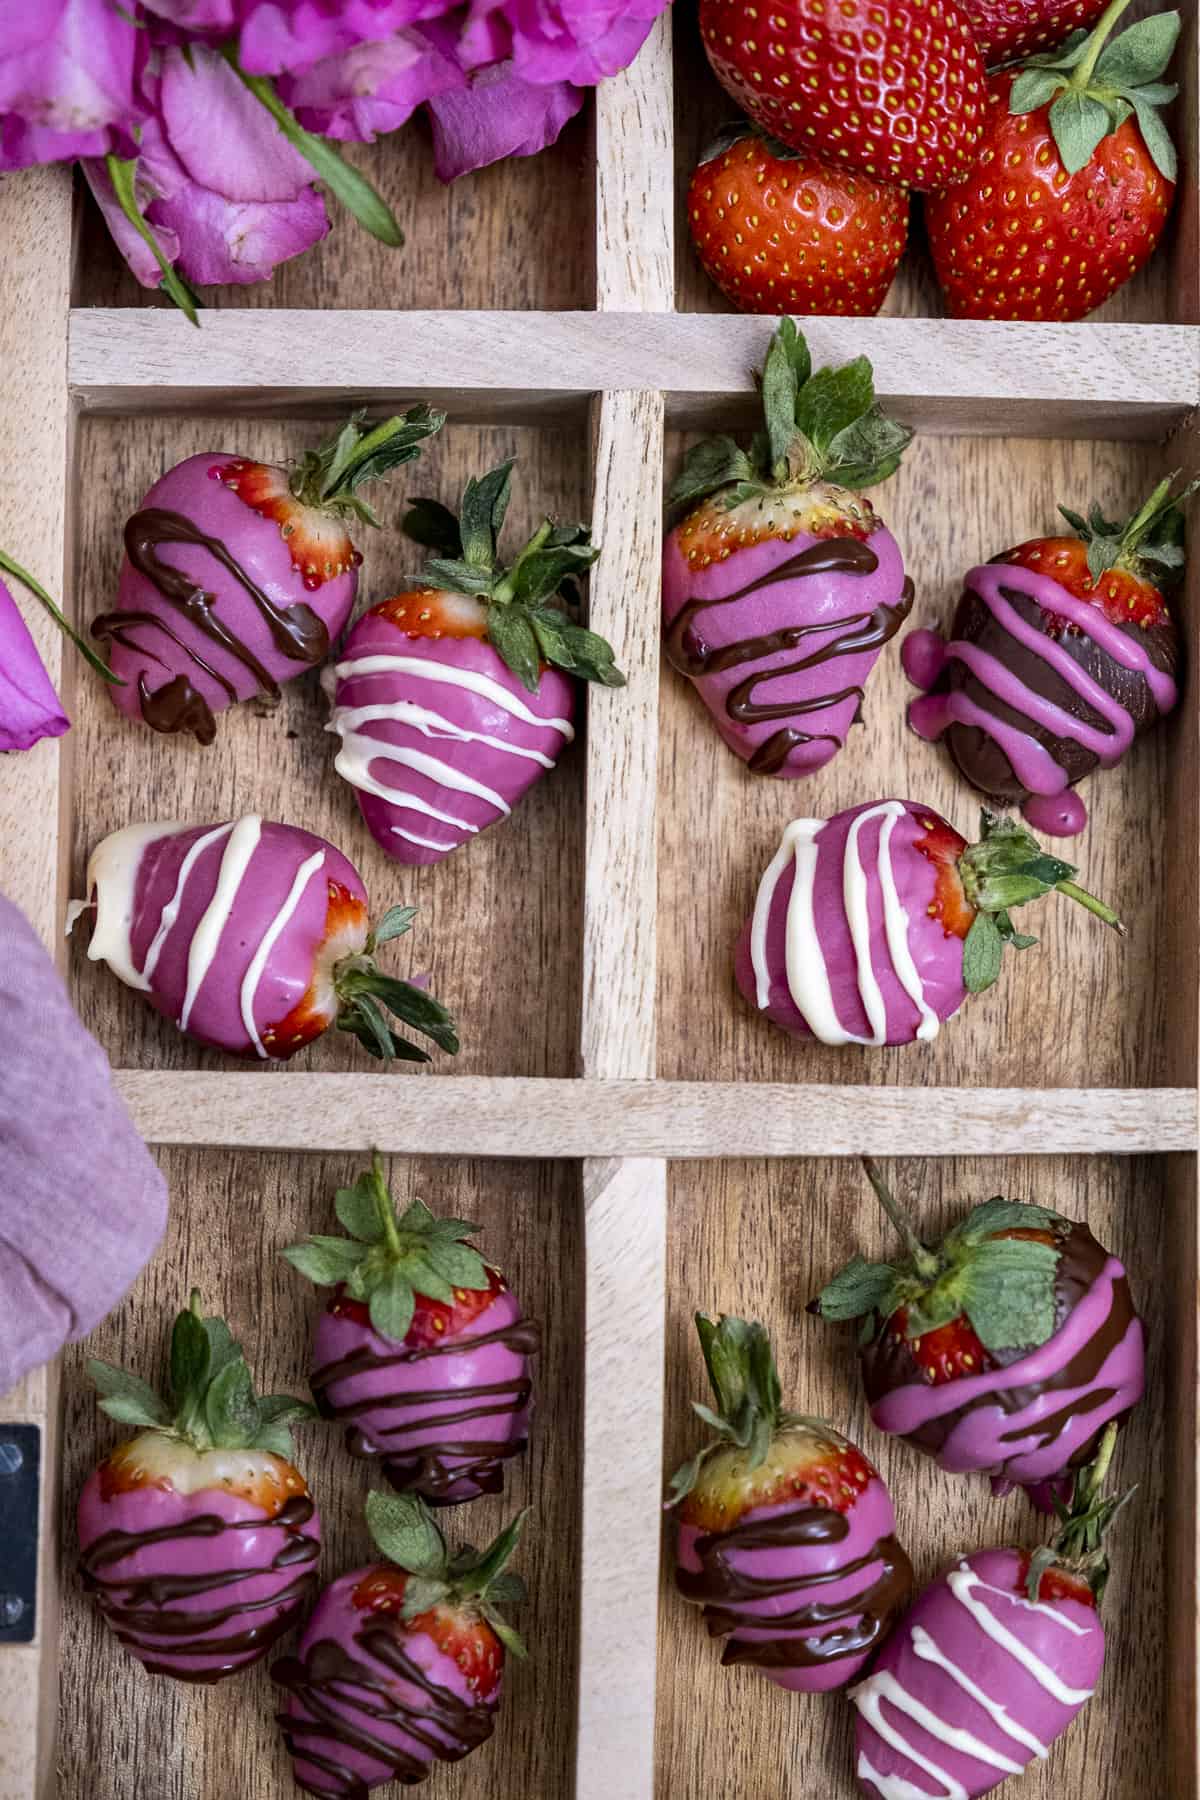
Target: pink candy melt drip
925,656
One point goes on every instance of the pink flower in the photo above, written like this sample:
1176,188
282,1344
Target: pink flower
580,41
497,115
224,193
29,707
287,36
66,79
372,88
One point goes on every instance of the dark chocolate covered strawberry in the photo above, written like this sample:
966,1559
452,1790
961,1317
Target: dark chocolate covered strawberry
781,584
786,1533
239,574
1062,652
1005,1348
401,1664
199,1539
253,937
992,1663
422,1351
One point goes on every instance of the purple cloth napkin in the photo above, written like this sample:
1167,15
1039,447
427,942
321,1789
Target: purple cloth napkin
82,1204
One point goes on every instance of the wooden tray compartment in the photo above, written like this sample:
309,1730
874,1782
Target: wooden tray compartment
760,1239
122,1731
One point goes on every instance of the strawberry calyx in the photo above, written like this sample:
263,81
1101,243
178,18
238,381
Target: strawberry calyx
1148,546
329,477
750,1415
525,602
210,1401
392,1261
1092,86
363,991
996,1270
818,425
1075,1565
467,1584
1008,867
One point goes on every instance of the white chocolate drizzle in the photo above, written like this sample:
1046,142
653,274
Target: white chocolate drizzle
243,842
258,961
112,874
423,668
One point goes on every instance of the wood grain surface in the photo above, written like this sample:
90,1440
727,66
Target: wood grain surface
759,1240
510,904
124,1733
1084,1007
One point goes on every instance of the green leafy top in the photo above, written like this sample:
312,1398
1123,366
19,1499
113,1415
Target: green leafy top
390,1258
475,1581
1007,868
1079,1545
823,425
745,1382
364,991
1149,544
210,1403
1004,1286
1093,86
330,476
526,621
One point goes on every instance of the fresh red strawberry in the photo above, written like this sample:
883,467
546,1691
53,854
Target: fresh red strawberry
199,1539
423,1352
892,87
1073,184
972,1348
1005,29
1061,654
452,698
400,1665
786,1532
780,230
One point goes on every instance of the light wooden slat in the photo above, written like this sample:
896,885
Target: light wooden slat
1110,381
635,194
484,1116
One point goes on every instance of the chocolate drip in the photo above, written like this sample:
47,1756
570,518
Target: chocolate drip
177,707
857,1624
426,1466
447,1726
298,633
888,1362
688,651
141,1614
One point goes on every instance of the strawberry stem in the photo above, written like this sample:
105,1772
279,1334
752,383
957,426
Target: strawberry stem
384,1206
924,1260
1081,77
1074,892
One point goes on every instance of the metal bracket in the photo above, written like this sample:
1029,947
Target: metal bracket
20,1482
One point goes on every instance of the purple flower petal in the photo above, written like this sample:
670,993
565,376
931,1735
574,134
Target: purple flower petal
222,240
288,36
69,87
130,243
224,138
579,41
372,88
219,16
29,707
498,115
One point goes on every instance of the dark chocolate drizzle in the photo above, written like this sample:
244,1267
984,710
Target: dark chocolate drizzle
433,1470
688,651
888,1363
856,1624
137,1606
298,633
449,1727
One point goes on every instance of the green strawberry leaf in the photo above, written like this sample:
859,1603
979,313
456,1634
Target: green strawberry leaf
230,1409
1078,122
129,1392
832,400
358,1210
999,1214
325,1261
512,1640
859,1290
715,463
396,922
1033,88
190,1356
421,1594
405,1532
392,1305
457,1263
484,505
1156,137
483,1569
514,640
784,373
434,527
983,954
867,451
507,1589
1007,1292
460,576
1140,54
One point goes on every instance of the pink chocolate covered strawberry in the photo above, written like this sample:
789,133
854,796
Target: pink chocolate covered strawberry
1062,652
422,1352
239,574
781,585
873,926
401,1664
253,937
992,1663
1007,1348
452,698
786,1532
199,1539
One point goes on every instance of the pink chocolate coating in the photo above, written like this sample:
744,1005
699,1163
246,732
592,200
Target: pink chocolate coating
258,547
1040,1678
360,1736
263,1573
441,1419
402,826
824,1653
937,954
832,603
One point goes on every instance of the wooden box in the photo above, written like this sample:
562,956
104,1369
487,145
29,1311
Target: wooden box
635,1142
